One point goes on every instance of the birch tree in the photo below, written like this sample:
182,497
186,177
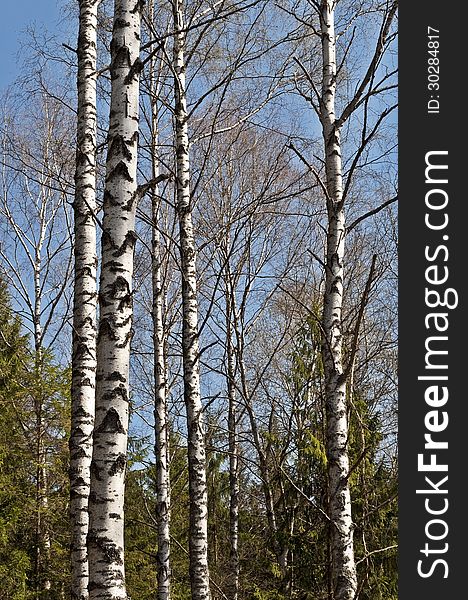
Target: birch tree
245,210
233,445
198,538
161,417
208,117
106,527
343,564
324,100
85,298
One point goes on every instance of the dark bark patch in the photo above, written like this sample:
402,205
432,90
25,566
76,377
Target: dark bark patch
110,551
113,266
93,499
86,382
79,482
111,423
119,465
127,340
103,303
74,495
77,432
119,23
119,391
106,329
139,6
125,302
121,171
79,453
80,412
116,376
96,471
119,146
109,199
81,350
119,287
135,70
128,243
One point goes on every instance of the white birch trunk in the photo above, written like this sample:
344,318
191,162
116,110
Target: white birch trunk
343,566
198,536
42,584
85,297
233,455
161,425
106,528
42,541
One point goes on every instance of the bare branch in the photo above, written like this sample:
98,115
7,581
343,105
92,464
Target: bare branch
370,213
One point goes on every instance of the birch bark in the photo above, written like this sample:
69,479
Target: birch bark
161,426
198,537
344,580
233,454
85,298
106,531
42,583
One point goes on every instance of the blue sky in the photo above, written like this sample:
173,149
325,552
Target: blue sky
16,16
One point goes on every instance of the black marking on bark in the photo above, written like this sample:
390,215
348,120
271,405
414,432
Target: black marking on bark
119,146
135,71
334,289
81,350
111,423
113,266
119,23
121,171
127,340
115,516
77,432
119,288
139,6
119,391
79,482
86,271
125,302
80,412
116,376
119,465
80,453
95,470
93,499
111,552
74,494
109,199
106,329
120,54
126,321
129,242
107,239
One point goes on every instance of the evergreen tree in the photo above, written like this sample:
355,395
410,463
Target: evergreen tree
19,502
15,489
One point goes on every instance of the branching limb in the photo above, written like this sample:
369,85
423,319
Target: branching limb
362,307
370,213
